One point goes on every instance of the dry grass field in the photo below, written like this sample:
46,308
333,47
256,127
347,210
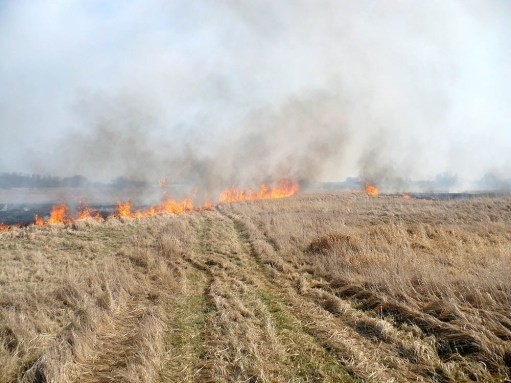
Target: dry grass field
313,288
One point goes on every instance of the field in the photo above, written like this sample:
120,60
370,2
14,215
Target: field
338,287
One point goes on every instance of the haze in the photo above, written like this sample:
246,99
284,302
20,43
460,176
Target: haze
223,92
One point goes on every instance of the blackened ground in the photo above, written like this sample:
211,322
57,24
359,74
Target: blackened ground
457,196
24,214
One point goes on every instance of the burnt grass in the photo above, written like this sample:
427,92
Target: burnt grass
24,214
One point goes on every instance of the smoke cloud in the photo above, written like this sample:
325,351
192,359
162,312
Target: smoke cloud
237,92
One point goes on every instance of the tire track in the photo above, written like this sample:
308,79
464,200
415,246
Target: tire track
365,357
254,336
184,338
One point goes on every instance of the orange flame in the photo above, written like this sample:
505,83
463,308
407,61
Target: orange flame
371,190
124,210
168,206
60,212
58,215
171,206
84,212
4,227
407,196
208,205
285,188
39,221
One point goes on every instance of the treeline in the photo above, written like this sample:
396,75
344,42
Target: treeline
36,181
17,180
441,183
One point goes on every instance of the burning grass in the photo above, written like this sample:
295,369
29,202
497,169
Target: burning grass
371,189
284,188
60,213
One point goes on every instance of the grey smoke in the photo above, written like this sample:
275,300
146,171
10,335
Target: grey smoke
218,93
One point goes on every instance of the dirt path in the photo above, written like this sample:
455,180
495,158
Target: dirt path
361,357
232,324
241,317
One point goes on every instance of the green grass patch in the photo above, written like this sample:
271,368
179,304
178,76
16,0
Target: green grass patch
309,360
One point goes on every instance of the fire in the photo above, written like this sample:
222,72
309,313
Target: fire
58,214
4,227
168,206
124,209
84,212
208,205
371,190
407,196
176,207
285,188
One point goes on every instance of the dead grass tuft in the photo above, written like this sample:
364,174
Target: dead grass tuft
334,243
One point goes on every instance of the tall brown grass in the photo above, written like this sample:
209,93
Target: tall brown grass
85,302
440,269
244,292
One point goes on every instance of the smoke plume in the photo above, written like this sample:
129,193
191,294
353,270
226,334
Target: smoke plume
240,92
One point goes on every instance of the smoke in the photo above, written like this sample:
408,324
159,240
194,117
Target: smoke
239,92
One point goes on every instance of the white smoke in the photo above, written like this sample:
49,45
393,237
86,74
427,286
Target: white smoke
235,91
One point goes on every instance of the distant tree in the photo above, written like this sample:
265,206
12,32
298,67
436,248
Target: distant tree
35,181
126,183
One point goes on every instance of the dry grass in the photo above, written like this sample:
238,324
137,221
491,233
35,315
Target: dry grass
83,303
441,269
319,287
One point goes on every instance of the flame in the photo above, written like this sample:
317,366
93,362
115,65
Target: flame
124,209
84,212
4,227
58,214
168,206
176,207
407,196
208,205
371,190
39,221
283,189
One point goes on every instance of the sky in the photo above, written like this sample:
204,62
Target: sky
223,92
